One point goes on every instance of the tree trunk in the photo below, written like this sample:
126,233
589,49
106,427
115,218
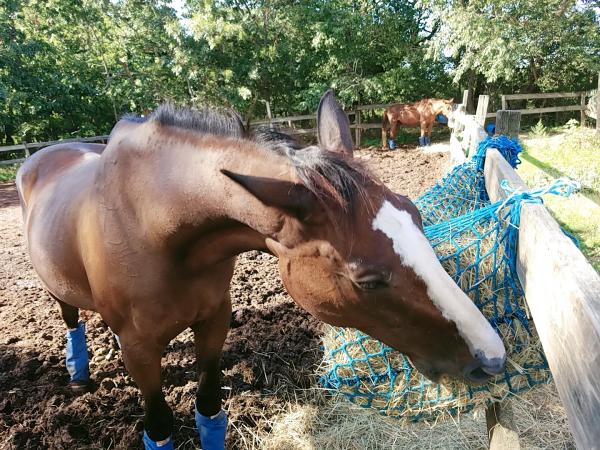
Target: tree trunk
471,84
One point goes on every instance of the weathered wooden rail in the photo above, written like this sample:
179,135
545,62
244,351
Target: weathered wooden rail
287,124
26,148
563,294
562,291
466,135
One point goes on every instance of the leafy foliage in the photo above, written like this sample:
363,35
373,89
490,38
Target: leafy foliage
72,67
543,45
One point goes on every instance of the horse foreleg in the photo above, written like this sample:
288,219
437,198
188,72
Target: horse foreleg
429,130
385,124
142,359
394,133
209,337
423,137
76,355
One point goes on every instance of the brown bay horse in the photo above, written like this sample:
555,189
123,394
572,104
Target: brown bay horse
146,230
419,114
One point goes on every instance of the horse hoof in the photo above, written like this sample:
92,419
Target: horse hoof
80,387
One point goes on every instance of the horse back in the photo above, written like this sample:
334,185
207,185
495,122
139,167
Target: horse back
404,114
50,163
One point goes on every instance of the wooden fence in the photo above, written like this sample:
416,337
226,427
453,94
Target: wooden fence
588,103
466,132
26,148
580,106
563,295
562,291
287,124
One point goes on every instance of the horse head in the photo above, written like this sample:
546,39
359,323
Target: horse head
444,107
353,254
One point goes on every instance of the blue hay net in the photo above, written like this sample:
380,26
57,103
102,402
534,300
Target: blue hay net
475,241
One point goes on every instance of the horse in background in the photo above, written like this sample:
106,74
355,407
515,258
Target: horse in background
422,113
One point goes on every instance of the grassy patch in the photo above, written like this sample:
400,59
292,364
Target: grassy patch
8,172
576,154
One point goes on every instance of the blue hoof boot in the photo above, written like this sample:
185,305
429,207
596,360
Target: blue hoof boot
422,141
392,144
212,430
149,444
427,140
77,355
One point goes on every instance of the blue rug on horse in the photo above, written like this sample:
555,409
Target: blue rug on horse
475,240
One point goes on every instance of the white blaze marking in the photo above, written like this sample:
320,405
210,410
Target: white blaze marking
413,248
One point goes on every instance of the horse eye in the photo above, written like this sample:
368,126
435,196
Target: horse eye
371,285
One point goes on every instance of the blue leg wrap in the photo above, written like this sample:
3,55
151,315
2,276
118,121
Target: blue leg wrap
212,430
77,356
422,141
427,140
391,144
149,444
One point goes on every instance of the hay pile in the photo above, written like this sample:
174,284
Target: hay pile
312,422
373,375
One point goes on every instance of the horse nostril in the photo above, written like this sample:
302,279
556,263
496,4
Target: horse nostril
477,375
492,366
482,369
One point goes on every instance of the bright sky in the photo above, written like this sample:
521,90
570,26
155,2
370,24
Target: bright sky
179,6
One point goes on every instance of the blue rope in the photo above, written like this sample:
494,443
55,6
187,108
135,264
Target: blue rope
456,212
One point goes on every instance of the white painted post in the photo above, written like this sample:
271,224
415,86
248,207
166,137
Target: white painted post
598,106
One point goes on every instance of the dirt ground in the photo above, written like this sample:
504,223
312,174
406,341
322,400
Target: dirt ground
271,353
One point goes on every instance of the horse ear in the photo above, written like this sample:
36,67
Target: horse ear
333,126
292,198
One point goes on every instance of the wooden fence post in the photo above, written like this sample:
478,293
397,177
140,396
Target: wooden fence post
500,426
27,153
357,130
508,123
504,103
598,106
466,96
482,107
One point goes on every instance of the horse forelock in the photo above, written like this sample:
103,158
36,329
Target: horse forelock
328,175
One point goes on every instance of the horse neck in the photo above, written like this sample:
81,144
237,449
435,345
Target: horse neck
169,183
437,106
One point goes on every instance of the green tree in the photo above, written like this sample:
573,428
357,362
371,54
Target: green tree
288,53
537,45
72,67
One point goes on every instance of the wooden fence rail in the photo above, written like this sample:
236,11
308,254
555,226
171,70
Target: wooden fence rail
562,291
357,124
563,294
585,108
27,147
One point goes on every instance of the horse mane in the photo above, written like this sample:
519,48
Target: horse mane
328,175
220,122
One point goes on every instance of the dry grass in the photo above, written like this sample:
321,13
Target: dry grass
314,421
